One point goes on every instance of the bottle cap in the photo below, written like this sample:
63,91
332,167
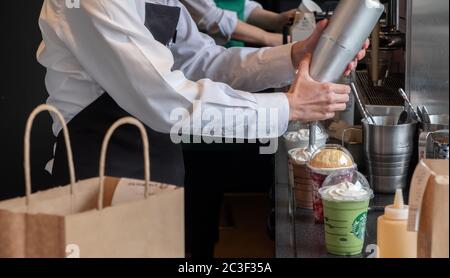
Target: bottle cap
309,6
397,211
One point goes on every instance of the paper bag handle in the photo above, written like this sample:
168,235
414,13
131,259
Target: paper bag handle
27,167
144,137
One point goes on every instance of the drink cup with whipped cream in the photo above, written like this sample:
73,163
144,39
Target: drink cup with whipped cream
297,136
328,160
300,178
345,204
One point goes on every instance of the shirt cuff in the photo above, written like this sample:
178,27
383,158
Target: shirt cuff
228,23
250,6
274,108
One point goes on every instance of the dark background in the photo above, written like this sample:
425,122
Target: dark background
23,88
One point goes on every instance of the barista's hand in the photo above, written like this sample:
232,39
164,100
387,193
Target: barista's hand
285,19
300,49
310,100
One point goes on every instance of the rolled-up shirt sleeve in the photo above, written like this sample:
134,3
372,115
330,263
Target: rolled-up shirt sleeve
243,68
113,46
250,6
220,24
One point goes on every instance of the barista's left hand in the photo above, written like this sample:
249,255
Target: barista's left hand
300,49
286,19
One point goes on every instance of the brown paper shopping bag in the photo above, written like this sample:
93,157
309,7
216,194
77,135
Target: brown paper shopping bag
80,220
429,208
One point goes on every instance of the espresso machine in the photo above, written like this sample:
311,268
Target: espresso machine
385,65
409,49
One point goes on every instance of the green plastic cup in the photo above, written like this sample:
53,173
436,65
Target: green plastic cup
345,226
345,219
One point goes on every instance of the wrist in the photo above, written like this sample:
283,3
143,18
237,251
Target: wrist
298,51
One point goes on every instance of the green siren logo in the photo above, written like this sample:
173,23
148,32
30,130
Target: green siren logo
359,226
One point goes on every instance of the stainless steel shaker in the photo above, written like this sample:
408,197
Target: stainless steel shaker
350,25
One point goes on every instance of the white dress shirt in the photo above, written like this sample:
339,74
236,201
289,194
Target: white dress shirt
104,46
220,24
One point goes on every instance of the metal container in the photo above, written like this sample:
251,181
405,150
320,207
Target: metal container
438,122
388,151
388,184
426,144
440,144
350,25
388,171
389,159
388,138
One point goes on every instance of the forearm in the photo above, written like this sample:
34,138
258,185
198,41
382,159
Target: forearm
257,36
265,19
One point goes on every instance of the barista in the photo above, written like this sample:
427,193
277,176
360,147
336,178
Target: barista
113,58
235,22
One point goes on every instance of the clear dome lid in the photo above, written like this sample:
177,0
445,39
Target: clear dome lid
298,131
332,157
300,156
350,187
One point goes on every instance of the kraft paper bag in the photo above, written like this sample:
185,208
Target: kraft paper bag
103,217
429,208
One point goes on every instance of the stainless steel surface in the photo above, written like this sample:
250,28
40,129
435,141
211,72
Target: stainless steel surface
388,170
374,67
350,25
388,184
384,110
388,150
312,138
426,115
404,118
393,15
408,102
391,159
428,54
387,95
387,138
419,113
438,122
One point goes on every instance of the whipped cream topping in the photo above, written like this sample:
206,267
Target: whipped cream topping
303,135
346,191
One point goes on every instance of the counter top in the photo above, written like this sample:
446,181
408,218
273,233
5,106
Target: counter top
297,235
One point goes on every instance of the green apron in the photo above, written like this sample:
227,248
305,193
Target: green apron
237,6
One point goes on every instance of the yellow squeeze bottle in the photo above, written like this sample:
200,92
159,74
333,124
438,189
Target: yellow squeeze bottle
394,240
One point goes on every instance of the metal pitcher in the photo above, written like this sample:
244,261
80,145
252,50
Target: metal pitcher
427,146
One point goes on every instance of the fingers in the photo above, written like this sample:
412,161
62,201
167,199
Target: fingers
320,116
337,88
320,27
366,44
361,55
333,99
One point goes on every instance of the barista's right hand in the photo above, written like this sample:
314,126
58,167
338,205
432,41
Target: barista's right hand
310,100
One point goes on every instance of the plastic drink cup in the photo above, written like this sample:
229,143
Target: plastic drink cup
318,177
320,174
345,219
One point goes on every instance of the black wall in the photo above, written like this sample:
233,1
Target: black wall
21,89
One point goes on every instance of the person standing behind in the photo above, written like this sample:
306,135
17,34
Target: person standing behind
232,23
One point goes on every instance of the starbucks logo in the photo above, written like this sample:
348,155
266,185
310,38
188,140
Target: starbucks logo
359,226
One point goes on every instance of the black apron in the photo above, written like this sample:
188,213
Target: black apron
124,158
